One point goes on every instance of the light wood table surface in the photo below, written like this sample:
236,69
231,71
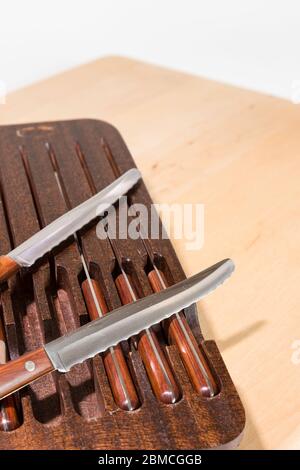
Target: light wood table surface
238,152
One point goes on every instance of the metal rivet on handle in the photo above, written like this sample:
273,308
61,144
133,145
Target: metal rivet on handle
30,366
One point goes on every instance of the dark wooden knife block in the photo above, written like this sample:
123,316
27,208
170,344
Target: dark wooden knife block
77,410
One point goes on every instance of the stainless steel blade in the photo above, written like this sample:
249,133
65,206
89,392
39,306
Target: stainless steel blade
68,224
129,320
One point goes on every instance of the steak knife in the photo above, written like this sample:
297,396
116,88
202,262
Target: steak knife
109,330
53,234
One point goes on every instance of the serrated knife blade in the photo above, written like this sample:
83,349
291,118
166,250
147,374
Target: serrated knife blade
99,335
124,322
53,234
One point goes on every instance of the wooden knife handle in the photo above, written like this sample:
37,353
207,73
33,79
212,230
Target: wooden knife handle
9,413
8,267
158,369
190,352
20,372
115,364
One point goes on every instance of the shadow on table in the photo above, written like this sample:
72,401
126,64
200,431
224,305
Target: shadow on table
251,439
236,338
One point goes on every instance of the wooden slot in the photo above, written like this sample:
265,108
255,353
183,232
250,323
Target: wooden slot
116,367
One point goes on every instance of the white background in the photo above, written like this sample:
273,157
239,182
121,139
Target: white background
250,43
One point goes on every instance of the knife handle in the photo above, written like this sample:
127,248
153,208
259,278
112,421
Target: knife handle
9,416
20,372
116,367
181,334
8,267
158,369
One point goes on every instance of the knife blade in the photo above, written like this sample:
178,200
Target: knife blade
66,225
109,330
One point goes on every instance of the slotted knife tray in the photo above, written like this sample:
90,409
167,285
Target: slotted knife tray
77,410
